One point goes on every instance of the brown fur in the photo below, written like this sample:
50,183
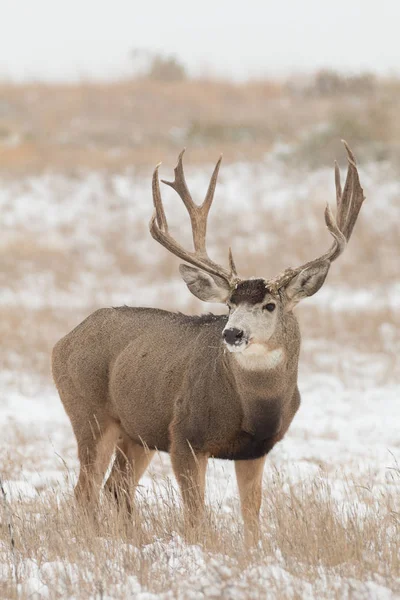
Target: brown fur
146,379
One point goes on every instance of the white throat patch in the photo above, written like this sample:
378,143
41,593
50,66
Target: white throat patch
257,357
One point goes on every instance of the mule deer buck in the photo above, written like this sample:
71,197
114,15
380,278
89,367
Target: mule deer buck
137,380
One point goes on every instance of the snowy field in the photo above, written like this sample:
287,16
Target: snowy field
331,507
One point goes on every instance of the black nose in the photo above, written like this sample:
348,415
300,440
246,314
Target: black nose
233,336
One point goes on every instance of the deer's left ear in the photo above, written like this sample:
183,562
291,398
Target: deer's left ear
306,283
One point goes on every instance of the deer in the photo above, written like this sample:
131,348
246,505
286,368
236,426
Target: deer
135,381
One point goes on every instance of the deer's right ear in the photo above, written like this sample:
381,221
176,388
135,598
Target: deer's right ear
206,287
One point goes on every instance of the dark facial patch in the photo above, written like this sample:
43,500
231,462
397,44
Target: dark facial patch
251,291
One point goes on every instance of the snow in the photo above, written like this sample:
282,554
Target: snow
347,427
340,433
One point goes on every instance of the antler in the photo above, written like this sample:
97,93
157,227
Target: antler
198,218
348,205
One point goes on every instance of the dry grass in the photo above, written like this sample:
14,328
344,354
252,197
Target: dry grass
137,122
304,526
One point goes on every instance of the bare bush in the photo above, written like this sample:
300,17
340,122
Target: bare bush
158,67
328,82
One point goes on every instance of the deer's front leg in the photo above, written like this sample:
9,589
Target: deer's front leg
249,478
190,472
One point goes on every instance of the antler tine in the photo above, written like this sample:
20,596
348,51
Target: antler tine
232,265
198,217
179,184
349,203
352,196
211,188
158,205
338,186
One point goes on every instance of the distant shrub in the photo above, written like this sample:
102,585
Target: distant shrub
158,67
166,68
328,82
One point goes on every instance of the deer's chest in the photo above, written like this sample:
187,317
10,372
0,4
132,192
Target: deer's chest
258,433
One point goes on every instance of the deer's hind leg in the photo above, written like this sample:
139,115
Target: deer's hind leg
96,438
131,461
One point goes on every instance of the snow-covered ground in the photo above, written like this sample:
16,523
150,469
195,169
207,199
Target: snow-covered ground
266,212
345,438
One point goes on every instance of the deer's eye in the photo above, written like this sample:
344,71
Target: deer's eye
269,307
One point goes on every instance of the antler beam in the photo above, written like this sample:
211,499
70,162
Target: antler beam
348,205
198,218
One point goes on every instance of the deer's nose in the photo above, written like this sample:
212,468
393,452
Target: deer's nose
232,336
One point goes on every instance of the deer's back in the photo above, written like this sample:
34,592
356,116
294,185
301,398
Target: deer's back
133,362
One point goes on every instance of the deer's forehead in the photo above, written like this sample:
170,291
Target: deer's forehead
250,291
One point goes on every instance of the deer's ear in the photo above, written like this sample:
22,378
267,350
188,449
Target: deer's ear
306,283
206,287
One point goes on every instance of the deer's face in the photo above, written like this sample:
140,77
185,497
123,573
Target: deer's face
255,312
253,316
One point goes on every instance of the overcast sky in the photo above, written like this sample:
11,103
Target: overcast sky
71,39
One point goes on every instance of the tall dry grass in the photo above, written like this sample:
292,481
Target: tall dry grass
326,546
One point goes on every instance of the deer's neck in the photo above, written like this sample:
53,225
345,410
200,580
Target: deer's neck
268,370
260,373
260,357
